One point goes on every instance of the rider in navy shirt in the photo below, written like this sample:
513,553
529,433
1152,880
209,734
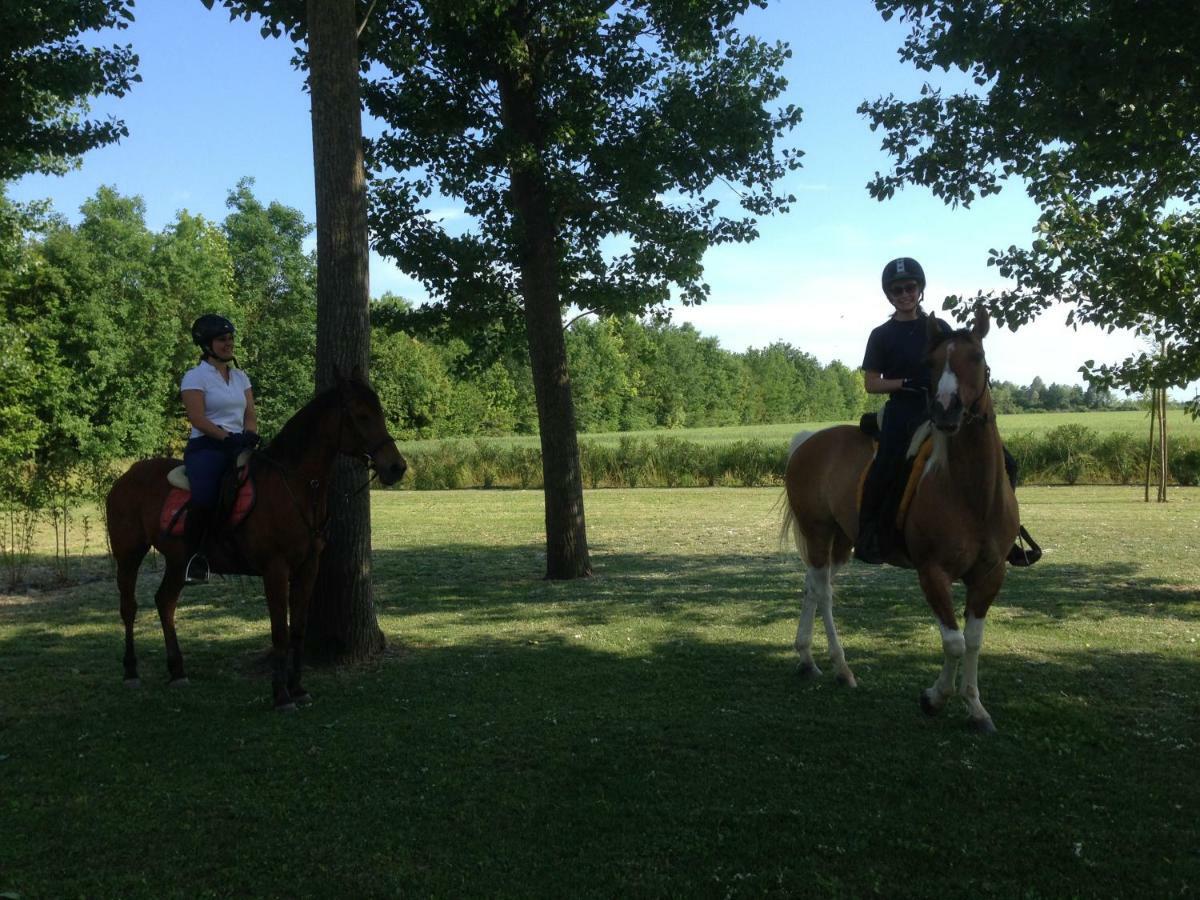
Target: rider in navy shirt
894,364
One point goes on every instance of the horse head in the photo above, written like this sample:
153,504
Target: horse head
959,372
364,431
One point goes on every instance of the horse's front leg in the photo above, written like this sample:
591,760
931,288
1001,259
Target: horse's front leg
979,599
275,586
298,601
937,588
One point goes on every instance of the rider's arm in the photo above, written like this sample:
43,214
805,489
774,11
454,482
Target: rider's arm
875,383
193,405
250,419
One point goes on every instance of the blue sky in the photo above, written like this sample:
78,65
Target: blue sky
218,102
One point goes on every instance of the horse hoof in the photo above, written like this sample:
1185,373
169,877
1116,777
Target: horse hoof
927,706
288,707
807,670
846,679
982,726
134,682
304,698
178,682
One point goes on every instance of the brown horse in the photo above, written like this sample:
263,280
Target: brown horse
282,537
960,522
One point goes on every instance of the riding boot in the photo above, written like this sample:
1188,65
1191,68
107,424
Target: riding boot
1020,555
868,546
195,533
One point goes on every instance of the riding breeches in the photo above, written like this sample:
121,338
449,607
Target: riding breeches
206,462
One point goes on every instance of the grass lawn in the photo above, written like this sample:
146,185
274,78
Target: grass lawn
1134,421
639,733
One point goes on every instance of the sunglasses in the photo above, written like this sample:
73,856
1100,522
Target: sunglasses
899,290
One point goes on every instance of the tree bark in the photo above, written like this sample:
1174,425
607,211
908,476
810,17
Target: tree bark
562,479
342,623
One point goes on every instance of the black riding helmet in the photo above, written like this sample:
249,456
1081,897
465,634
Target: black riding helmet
903,269
208,327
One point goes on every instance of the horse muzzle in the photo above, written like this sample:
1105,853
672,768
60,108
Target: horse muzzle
947,419
392,468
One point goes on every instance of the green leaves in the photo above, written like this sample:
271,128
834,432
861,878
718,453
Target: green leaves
49,73
1095,109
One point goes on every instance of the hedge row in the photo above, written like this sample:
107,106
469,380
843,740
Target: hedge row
1070,454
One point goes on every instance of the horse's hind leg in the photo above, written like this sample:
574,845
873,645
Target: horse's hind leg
166,598
823,563
127,572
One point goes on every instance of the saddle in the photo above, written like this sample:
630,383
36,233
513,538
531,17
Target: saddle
235,503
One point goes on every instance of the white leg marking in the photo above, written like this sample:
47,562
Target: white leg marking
970,682
813,579
836,654
953,648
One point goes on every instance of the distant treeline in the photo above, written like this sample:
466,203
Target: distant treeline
94,334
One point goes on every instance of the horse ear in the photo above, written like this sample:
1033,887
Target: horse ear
933,328
982,324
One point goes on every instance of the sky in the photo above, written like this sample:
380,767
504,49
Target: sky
218,102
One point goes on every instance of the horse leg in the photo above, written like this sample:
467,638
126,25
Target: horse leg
814,578
275,586
979,719
298,599
166,598
979,600
127,572
823,563
936,585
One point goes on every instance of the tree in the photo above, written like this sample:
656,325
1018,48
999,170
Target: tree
48,76
585,140
1095,106
342,621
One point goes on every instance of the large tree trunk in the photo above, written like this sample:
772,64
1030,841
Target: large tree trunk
566,530
342,623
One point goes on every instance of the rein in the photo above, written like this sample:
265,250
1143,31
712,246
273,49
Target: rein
310,521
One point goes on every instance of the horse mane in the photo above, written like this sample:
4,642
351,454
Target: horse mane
297,433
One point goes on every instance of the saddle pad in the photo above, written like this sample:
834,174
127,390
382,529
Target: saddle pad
914,478
173,514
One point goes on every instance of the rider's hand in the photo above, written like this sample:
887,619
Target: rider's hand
250,439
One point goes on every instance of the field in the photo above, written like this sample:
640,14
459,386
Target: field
1133,421
639,733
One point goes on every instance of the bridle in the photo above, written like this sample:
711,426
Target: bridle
310,521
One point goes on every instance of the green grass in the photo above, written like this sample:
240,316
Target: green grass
1134,421
639,733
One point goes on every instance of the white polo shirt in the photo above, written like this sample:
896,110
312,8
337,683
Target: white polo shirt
224,404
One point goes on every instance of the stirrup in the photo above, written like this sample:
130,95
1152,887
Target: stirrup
1019,555
197,570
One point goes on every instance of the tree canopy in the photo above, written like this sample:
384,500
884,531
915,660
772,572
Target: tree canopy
641,110
48,76
1094,106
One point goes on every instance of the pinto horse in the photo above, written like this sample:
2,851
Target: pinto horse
961,519
282,537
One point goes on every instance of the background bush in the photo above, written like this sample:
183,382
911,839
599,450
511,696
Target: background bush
1067,454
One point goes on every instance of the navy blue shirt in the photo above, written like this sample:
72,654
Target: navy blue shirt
897,349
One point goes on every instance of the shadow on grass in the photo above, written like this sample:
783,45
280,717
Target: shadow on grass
557,767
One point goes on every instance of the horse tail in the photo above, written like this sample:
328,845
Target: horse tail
789,528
